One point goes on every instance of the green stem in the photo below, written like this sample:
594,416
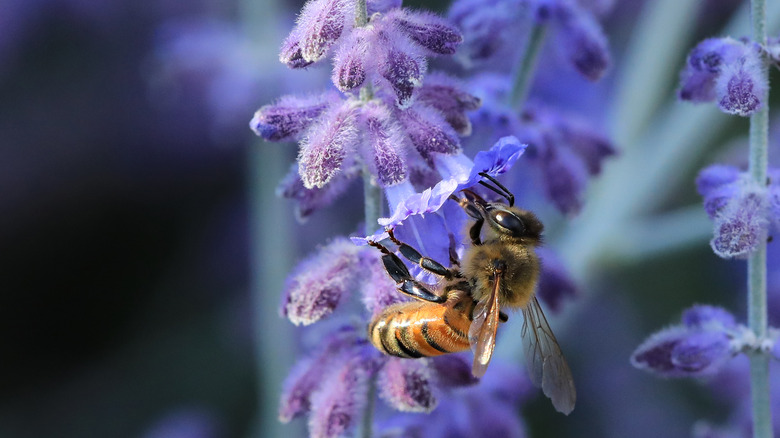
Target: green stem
527,65
757,299
361,14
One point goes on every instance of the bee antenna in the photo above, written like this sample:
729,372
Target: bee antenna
501,190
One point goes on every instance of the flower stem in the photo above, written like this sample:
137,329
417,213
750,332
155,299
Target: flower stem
757,299
361,13
527,65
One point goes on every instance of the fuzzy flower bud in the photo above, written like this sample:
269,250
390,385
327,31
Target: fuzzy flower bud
446,95
742,223
428,132
328,144
349,65
682,352
290,116
715,185
385,142
290,54
404,72
428,30
337,405
320,24
406,385
317,285
583,41
741,86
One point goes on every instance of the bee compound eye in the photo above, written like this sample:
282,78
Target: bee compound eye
509,221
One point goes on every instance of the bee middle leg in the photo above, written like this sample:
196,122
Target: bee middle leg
405,283
426,263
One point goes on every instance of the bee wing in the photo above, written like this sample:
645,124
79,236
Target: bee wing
482,333
544,359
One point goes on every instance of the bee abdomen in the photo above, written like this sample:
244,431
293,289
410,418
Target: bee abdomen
413,330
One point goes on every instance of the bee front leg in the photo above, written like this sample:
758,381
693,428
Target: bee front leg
404,281
426,263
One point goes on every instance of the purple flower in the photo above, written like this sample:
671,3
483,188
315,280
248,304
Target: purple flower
715,184
742,223
683,352
407,385
350,64
427,30
741,86
446,95
320,24
327,146
555,283
337,404
387,145
290,116
318,284
428,132
705,62
582,40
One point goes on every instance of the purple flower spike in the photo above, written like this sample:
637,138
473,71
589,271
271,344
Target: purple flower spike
584,43
428,132
349,65
555,283
316,286
446,95
307,375
680,352
386,142
564,179
741,86
407,386
404,71
337,405
310,200
329,143
742,224
428,30
290,116
320,24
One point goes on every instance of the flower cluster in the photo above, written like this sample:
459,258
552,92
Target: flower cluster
386,120
563,149
700,346
491,30
728,71
742,209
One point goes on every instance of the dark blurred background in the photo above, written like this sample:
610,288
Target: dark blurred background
128,177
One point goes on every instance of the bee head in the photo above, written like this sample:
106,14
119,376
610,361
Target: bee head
513,223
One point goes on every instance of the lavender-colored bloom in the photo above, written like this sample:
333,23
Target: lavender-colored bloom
564,178
307,375
487,26
683,352
317,285
582,40
741,85
429,31
715,185
706,60
428,132
310,200
446,95
328,144
336,406
385,142
350,62
407,385
291,54
742,224
290,116
555,283
703,316
404,71
320,24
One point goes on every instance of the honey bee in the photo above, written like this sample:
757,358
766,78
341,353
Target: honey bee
500,269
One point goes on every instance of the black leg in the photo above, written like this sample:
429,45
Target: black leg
404,281
426,263
454,261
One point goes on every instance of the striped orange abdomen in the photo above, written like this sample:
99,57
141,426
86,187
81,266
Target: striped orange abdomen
416,329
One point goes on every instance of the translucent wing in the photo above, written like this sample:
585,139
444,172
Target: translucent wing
546,365
482,333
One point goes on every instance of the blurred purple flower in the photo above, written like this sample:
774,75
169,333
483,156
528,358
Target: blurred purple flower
555,282
698,347
726,70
